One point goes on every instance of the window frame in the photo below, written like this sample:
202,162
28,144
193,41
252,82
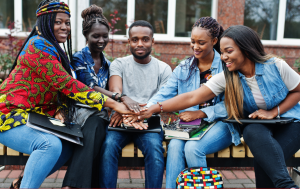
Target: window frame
77,6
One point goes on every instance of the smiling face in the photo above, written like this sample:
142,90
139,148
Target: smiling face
97,37
231,54
62,27
141,41
202,43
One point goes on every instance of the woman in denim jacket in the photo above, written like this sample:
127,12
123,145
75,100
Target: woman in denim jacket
188,76
258,86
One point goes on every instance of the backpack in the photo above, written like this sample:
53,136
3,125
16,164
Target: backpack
198,178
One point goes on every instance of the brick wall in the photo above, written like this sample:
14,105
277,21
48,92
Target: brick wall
230,12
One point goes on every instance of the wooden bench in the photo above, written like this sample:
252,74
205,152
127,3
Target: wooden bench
232,156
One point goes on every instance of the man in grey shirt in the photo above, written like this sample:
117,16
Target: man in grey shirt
135,79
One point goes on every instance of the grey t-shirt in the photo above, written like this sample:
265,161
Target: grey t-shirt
140,81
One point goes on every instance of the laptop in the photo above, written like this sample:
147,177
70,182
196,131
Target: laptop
282,120
55,127
153,126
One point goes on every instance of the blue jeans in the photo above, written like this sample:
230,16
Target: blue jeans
151,146
194,152
271,145
47,153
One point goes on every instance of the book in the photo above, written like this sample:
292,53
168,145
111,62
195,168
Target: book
55,127
194,123
196,136
186,130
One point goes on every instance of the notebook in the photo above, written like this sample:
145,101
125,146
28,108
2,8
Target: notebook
55,127
153,126
196,136
195,123
282,120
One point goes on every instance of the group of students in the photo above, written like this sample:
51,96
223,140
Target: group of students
229,76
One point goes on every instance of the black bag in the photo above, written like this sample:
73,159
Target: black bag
198,178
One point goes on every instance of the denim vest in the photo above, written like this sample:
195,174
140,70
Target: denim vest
177,84
272,88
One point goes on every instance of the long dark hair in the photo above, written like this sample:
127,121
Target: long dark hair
250,45
44,27
215,30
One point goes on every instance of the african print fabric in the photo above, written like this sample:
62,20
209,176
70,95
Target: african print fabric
199,178
34,83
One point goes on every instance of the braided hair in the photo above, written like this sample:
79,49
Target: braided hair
215,30
92,15
44,27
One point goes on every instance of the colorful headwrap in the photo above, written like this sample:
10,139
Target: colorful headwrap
53,7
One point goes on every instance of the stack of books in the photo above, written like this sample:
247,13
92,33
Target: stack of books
193,130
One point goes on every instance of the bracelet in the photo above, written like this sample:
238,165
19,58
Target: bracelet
119,99
161,108
113,96
278,115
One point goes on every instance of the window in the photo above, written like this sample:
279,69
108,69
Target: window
155,12
109,6
187,13
262,17
292,19
6,13
29,14
276,21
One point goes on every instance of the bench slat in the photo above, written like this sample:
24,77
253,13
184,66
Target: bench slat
210,155
2,149
225,153
11,152
128,150
238,151
297,154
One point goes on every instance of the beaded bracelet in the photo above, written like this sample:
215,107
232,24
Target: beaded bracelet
161,108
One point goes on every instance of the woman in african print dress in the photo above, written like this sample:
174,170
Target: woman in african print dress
41,82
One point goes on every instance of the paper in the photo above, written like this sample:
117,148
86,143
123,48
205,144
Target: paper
57,123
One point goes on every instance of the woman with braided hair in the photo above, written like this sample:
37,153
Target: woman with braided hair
92,69
188,76
41,82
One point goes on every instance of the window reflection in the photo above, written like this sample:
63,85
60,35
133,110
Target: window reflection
292,19
187,13
153,11
109,6
262,16
29,17
6,13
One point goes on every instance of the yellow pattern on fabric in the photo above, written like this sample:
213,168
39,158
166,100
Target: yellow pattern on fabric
88,97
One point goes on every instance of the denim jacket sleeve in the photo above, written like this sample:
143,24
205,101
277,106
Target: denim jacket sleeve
167,91
82,72
215,112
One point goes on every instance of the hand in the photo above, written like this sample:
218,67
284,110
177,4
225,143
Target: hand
263,114
116,120
132,105
58,115
145,114
122,109
191,115
138,124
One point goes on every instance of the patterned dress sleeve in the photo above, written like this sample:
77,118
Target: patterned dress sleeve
44,61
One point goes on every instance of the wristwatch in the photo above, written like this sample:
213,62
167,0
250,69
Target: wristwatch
119,99
113,96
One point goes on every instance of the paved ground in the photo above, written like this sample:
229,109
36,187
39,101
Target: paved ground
134,179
